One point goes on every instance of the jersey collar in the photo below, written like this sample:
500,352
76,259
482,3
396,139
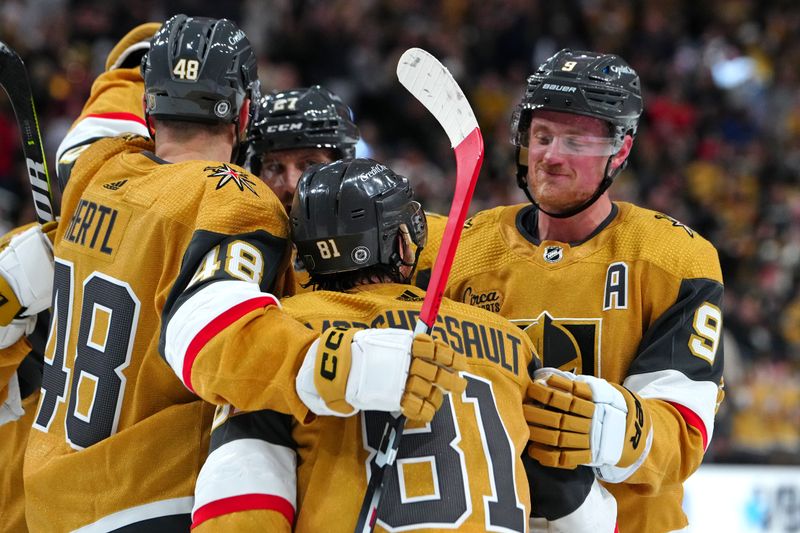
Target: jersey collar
528,217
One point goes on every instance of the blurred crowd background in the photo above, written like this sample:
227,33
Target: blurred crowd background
718,147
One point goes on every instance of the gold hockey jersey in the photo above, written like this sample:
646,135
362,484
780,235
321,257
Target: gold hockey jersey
115,427
637,303
22,363
13,437
462,472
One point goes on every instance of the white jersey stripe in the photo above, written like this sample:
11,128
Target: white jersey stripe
133,515
95,126
247,466
201,309
673,386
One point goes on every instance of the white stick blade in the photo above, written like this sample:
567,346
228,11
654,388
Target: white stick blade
432,84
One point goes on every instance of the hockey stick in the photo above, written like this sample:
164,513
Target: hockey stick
14,81
431,83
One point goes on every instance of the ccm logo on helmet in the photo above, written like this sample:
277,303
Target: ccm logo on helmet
559,88
294,126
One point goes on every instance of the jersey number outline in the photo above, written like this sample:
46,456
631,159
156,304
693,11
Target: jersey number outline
107,327
243,261
437,443
707,326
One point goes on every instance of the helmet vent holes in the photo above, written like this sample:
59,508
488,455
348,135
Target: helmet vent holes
357,213
203,44
606,98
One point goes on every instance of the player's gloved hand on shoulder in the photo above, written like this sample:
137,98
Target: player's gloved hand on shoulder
584,420
347,370
26,275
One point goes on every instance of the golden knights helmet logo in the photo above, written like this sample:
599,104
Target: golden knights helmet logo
569,344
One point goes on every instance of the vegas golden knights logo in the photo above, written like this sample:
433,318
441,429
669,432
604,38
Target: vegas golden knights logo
569,344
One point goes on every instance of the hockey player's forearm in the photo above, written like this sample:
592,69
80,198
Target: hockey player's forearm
675,453
230,343
114,108
245,522
249,479
10,358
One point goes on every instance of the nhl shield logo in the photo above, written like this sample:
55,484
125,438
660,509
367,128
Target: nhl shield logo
360,255
553,254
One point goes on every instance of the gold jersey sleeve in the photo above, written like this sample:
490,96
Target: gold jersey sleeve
13,438
638,303
469,454
114,108
14,434
249,522
10,358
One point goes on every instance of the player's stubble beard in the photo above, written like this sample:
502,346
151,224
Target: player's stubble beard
556,188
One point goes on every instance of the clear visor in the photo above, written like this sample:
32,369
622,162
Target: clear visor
570,144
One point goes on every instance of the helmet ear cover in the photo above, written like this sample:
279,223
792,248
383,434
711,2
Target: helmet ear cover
347,215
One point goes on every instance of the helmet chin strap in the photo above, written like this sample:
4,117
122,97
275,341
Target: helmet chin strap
608,179
400,260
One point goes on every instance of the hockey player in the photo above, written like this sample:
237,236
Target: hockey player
298,128
142,222
20,379
294,130
356,225
622,303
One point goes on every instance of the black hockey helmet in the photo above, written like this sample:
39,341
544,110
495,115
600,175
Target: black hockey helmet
199,69
346,216
310,117
595,85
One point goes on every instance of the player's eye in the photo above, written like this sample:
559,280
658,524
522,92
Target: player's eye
273,167
272,171
542,138
303,165
575,142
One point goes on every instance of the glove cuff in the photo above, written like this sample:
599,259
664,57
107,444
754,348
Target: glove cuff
637,428
381,359
334,360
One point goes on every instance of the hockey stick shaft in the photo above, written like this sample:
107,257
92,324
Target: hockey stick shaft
434,87
14,81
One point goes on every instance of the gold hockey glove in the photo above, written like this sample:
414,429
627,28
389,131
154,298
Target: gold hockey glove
585,420
434,369
347,370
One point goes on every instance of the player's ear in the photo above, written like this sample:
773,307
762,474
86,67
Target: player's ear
147,118
623,153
